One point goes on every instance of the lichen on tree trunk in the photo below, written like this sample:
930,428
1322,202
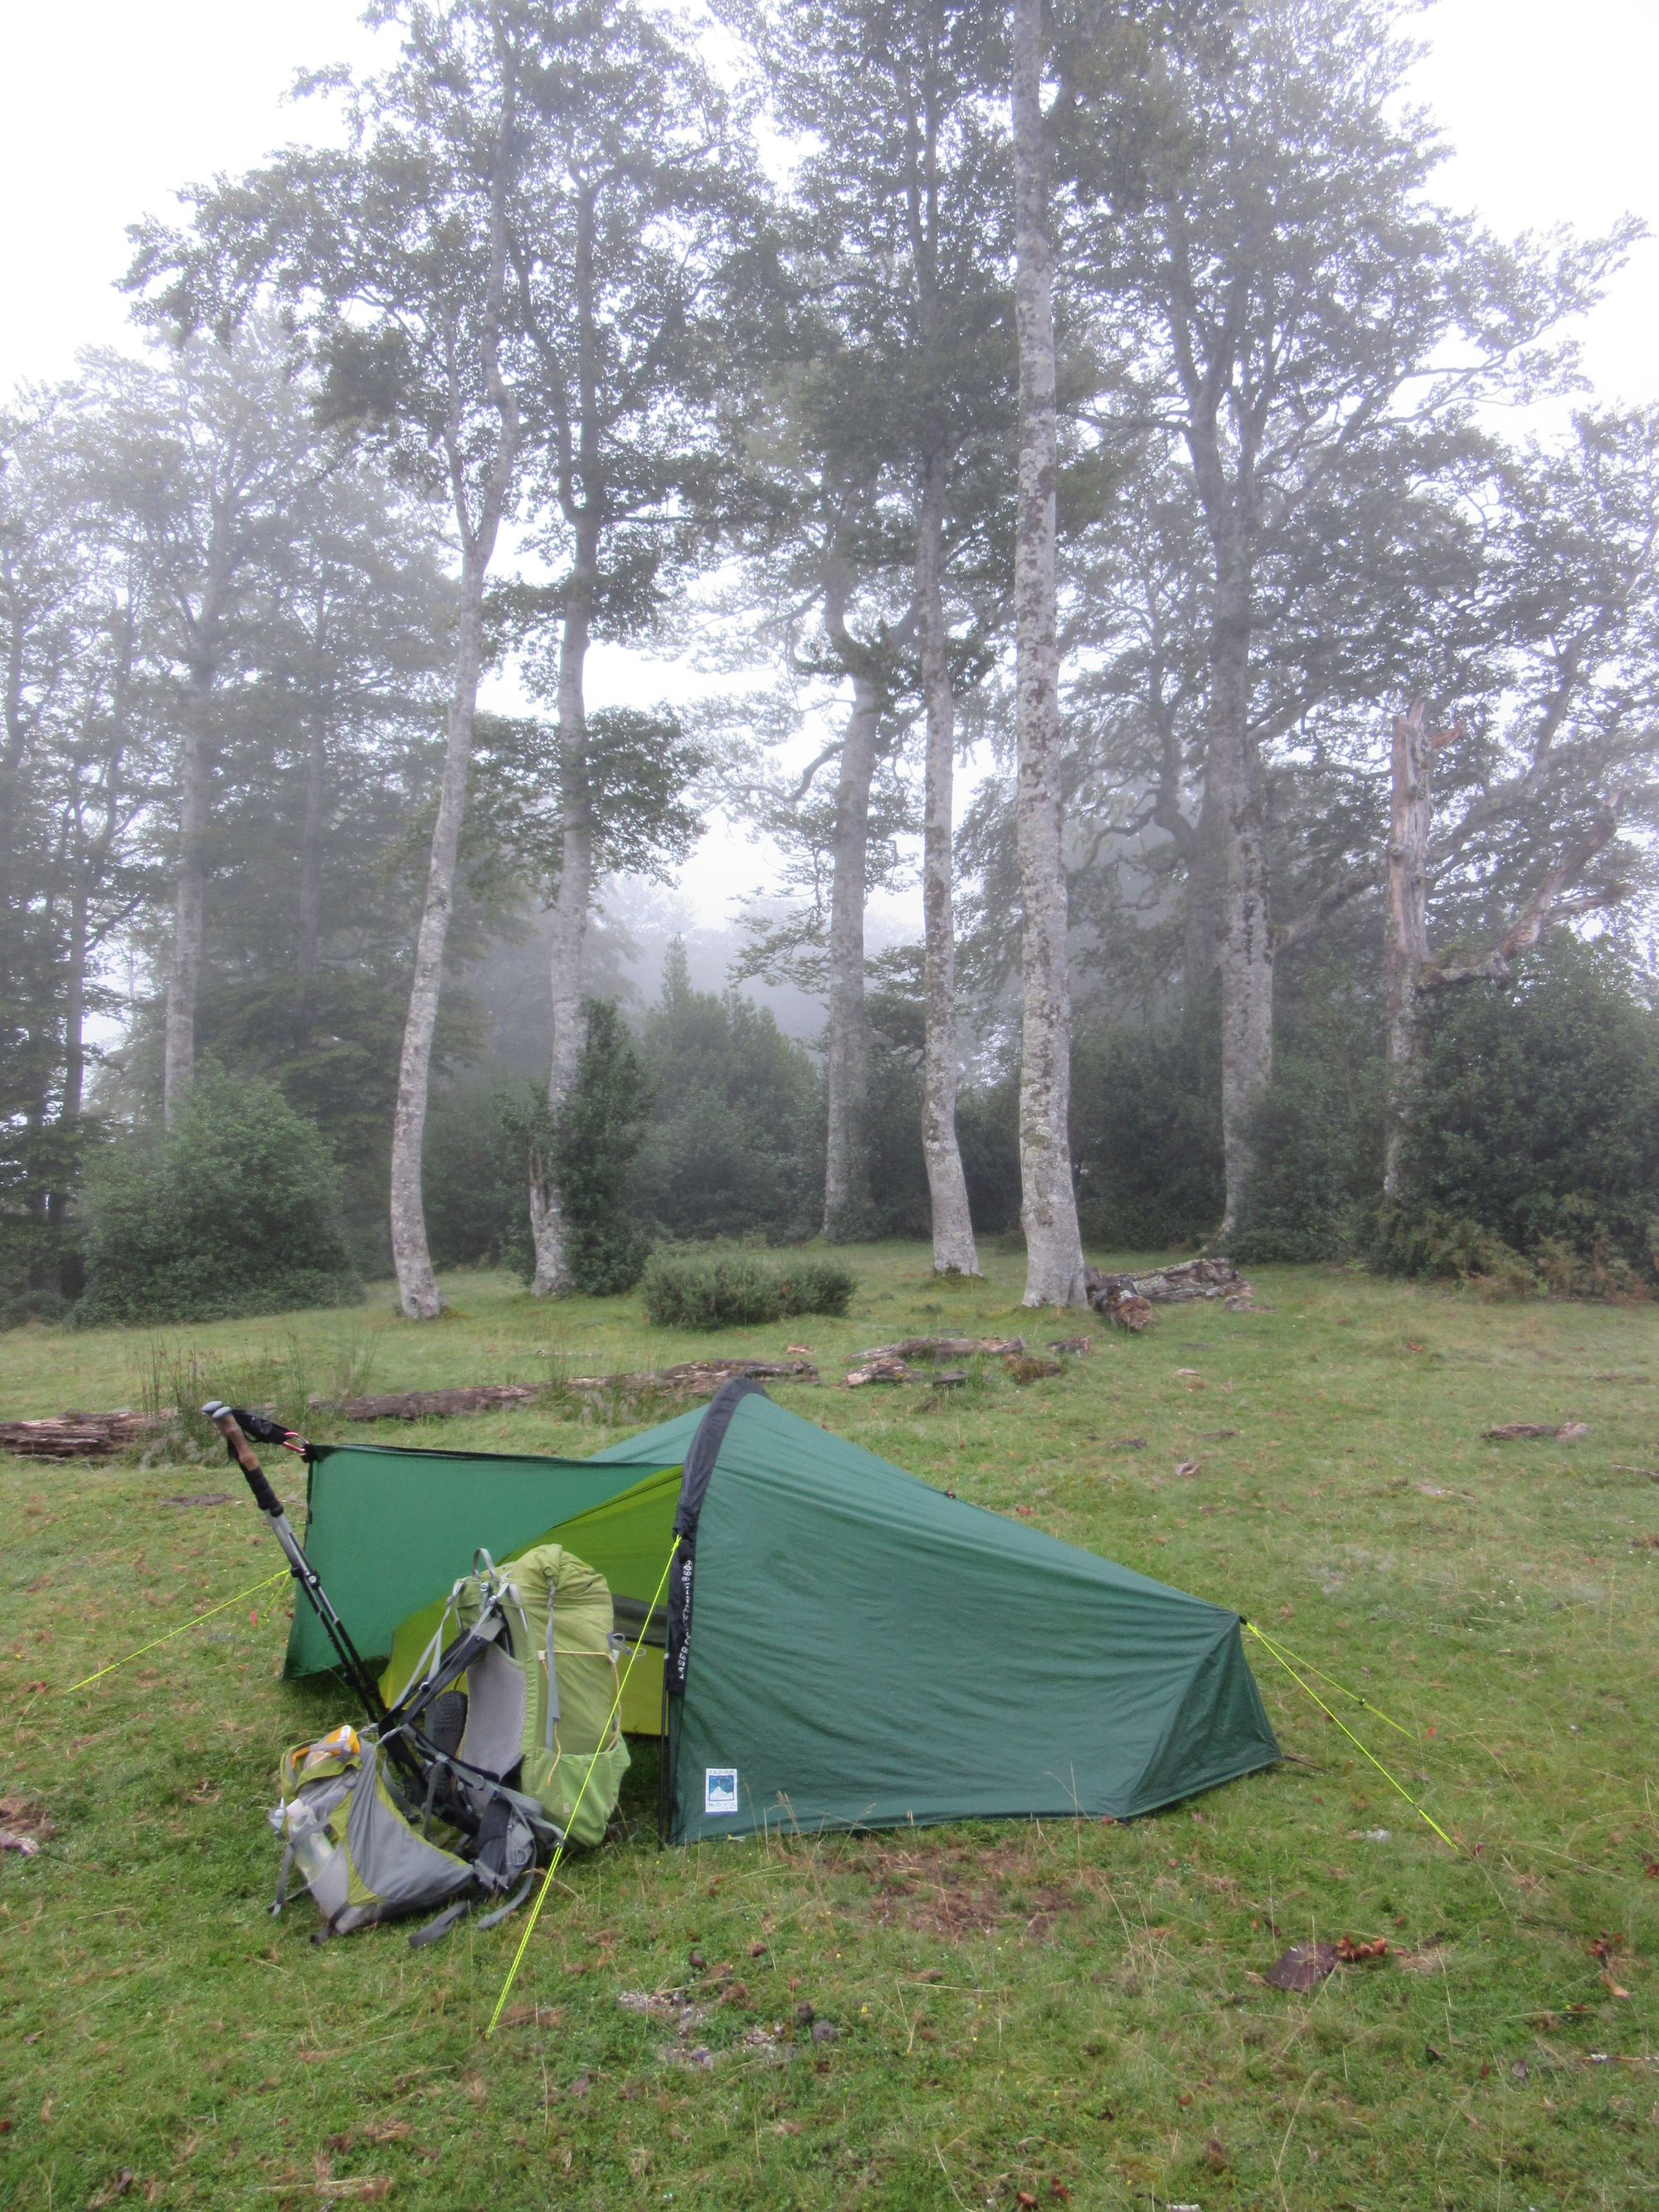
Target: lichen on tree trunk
952,1224
1049,1203
847,1054
417,1286
189,893
1405,940
1246,951
552,1278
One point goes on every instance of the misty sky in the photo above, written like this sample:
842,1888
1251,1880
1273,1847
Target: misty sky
105,109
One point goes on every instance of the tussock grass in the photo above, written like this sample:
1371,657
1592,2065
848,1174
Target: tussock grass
1058,2007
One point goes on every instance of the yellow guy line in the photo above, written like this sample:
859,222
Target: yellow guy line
281,1574
553,1863
1352,1738
1284,1651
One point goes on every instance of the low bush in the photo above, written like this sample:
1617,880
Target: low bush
1451,1248
47,1306
724,1289
233,1210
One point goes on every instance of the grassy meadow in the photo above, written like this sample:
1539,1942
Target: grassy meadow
1012,2015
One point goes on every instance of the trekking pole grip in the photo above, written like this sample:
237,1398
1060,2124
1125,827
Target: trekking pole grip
242,1452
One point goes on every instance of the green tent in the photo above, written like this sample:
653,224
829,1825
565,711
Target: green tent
843,1646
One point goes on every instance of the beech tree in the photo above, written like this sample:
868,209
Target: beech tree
1053,1245
396,253
202,454
634,244
80,764
1549,801
896,424
1253,205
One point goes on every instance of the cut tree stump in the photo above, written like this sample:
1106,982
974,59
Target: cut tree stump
78,1436
1128,1299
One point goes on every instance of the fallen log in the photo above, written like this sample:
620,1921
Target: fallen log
696,1378
1128,1299
946,1347
78,1436
884,1368
428,1405
1570,1432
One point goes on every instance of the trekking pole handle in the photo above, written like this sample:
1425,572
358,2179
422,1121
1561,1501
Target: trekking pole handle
242,1452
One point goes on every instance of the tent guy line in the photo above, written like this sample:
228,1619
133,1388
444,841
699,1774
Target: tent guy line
1392,1781
195,1621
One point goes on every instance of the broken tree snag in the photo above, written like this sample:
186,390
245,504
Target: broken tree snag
1127,1299
77,1436
696,1378
430,1405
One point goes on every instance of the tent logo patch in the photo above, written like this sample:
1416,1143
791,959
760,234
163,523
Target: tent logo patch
719,1790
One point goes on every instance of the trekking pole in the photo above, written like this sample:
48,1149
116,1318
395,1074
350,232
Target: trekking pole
224,1418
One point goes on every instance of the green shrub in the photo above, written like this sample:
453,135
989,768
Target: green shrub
1146,1135
1536,1125
47,1306
235,1210
722,1290
1318,1142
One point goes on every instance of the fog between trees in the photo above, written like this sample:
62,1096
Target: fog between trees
1100,395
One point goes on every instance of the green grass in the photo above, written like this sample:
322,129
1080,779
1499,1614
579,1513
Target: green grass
1034,2009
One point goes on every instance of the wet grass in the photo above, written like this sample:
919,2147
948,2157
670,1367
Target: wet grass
1051,2013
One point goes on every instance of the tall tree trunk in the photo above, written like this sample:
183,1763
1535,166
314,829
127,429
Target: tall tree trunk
1246,944
1200,926
847,1055
1406,933
309,918
570,911
60,1198
75,1010
417,1286
953,1228
189,893
1054,1247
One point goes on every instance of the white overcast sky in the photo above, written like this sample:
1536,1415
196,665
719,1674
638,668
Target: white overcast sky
107,108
